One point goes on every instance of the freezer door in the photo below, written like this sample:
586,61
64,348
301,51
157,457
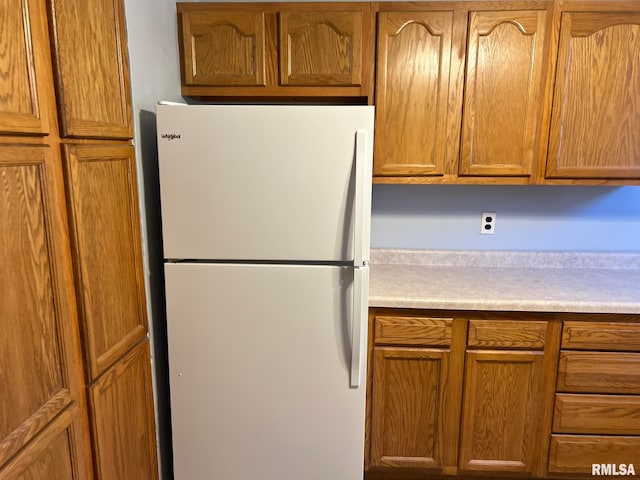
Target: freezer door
259,361
265,182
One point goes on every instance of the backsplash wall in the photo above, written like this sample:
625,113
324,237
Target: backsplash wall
527,217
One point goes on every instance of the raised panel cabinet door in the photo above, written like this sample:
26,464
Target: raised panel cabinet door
40,361
92,68
105,240
595,120
412,92
122,419
322,48
223,48
501,411
503,92
407,427
23,47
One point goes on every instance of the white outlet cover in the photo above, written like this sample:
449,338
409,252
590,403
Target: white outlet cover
488,223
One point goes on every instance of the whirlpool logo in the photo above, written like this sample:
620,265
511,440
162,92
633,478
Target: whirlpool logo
171,136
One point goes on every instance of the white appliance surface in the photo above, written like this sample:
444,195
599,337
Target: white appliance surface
262,182
259,370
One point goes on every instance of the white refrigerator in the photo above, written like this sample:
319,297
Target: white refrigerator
266,220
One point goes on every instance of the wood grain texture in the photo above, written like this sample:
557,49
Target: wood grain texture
105,225
423,331
503,92
122,419
599,372
92,70
597,414
576,453
590,335
50,455
223,48
408,407
595,125
501,411
315,50
507,333
321,48
40,366
412,92
23,46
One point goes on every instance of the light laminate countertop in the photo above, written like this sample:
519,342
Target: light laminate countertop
579,282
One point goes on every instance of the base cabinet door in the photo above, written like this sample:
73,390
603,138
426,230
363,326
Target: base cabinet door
43,432
502,395
122,419
408,407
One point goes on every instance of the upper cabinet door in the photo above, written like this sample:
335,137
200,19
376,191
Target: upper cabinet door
92,68
412,92
23,52
321,48
595,123
40,370
223,48
503,92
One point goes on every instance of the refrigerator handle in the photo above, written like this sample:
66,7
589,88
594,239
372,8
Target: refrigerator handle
359,241
359,324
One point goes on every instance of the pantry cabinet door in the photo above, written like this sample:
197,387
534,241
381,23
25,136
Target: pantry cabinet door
223,48
412,92
503,93
122,419
322,48
43,413
23,51
92,70
106,247
595,123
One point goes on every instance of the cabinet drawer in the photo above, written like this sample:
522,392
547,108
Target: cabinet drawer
597,414
576,453
507,334
413,331
601,336
599,372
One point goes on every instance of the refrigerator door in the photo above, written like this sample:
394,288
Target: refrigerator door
265,182
260,372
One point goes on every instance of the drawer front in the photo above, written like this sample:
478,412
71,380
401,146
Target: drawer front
413,331
597,414
601,336
599,372
507,334
577,453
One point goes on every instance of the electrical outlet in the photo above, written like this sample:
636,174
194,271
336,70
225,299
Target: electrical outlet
488,223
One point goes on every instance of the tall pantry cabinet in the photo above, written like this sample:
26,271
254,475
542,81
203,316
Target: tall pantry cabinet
76,398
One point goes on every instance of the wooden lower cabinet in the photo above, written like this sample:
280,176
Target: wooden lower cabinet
408,418
502,399
122,419
460,393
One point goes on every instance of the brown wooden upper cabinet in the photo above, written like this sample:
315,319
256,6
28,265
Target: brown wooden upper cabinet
91,66
439,121
502,93
23,63
595,125
269,49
